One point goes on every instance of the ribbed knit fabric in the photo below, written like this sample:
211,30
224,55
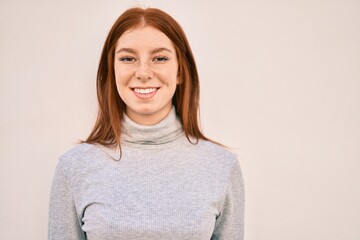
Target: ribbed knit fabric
162,188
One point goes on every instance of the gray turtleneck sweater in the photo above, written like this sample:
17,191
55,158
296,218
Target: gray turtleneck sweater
163,188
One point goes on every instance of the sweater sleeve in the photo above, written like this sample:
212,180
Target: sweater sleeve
230,222
63,220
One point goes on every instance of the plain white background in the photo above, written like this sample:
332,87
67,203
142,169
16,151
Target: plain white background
280,84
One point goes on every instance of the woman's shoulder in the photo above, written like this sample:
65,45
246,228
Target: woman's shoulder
79,156
216,147
77,151
220,160
218,151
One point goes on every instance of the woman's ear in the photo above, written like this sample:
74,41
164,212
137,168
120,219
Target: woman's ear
179,80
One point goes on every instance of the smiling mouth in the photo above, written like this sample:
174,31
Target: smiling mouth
144,90
145,93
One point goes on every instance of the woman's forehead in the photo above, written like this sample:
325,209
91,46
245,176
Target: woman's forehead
144,37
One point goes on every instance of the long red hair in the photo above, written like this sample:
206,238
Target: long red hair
107,129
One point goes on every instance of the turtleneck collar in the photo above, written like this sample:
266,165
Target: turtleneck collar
165,131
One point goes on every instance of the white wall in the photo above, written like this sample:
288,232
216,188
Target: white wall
280,83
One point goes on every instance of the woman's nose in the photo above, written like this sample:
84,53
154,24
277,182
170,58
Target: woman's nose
143,72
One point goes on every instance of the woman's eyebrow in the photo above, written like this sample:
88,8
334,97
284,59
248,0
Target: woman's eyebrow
156,50
129,50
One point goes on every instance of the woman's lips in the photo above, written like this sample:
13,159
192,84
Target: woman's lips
145,93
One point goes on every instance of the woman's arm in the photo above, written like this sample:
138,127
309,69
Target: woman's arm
230,223
63,219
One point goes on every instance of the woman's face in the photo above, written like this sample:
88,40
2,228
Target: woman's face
146,73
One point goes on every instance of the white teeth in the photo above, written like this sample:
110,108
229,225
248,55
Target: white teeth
144,90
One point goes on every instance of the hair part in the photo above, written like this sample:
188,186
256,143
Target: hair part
107,129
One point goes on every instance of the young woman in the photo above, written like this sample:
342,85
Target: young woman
146,171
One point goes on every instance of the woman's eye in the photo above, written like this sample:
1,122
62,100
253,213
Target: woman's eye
127,59
161,59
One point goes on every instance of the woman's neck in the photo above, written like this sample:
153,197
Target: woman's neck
164,131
